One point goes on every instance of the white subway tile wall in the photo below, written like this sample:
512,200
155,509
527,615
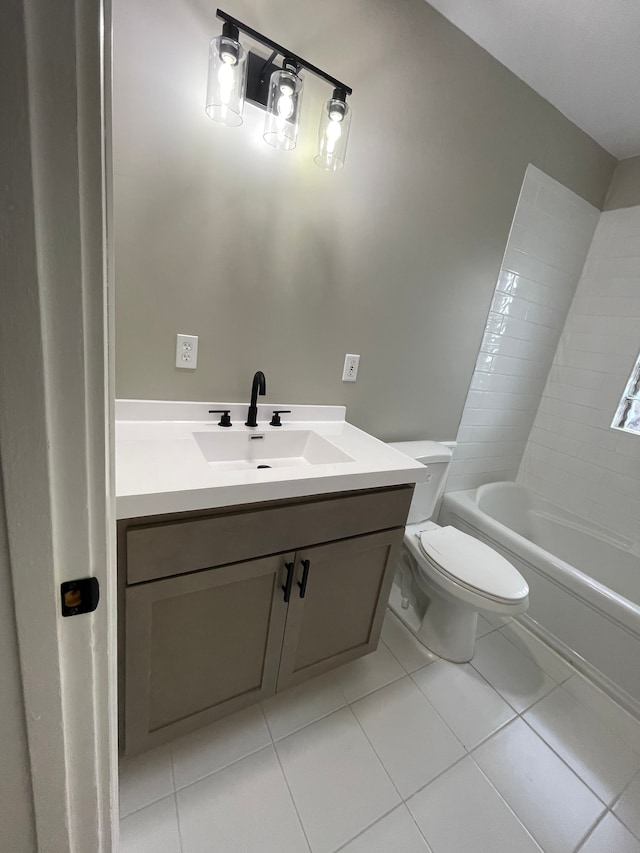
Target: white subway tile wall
573,457
549,240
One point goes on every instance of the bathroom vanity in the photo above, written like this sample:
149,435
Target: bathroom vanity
224,601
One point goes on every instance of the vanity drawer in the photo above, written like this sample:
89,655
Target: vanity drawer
178,544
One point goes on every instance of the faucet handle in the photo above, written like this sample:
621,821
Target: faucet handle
275,420
225,420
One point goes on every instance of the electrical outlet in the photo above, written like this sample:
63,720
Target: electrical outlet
187,351
350,369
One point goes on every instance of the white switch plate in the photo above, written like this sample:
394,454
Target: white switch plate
350,370
187,351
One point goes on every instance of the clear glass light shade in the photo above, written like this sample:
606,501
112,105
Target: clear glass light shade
333,135
283,110
225,87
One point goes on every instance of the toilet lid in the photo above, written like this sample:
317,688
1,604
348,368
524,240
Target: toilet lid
473,564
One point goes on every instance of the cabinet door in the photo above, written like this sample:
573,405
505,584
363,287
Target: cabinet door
338,616
201,646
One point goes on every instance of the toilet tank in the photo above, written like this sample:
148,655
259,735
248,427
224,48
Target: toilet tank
436,457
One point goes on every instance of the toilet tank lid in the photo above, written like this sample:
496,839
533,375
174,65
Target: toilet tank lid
423,451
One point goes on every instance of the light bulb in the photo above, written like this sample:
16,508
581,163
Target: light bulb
225,86
333,133
226,78
284,106
283,109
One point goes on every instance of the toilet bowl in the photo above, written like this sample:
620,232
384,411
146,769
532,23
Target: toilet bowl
446,577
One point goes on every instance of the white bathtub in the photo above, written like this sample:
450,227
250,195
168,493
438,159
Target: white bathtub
584,581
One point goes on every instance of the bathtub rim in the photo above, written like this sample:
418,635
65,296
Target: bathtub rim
624,612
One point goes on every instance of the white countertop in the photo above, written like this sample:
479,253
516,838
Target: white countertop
160,467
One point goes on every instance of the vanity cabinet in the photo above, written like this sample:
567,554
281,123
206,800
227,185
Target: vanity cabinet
222,609
339,617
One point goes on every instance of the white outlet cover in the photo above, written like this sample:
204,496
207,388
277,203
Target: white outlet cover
350,369
187,351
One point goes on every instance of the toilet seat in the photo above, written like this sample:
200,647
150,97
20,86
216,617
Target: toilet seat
472,565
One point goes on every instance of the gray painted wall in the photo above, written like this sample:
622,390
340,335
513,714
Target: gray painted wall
625,185
279,266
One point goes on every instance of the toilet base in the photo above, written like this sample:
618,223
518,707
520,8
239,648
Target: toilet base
445,627
449,629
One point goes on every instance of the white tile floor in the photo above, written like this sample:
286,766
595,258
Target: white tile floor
401,752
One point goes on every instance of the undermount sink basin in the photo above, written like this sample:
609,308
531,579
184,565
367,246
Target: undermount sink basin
247,450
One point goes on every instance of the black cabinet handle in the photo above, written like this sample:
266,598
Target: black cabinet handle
286,588
305,576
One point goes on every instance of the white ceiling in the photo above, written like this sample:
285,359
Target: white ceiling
581,55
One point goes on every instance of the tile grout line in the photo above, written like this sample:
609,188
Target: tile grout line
590,832
292,798
467,754
175,805
511,810
375,751
368,827
447,724
575,772
520,715
224,767
600,817
175,798
617,800
563,660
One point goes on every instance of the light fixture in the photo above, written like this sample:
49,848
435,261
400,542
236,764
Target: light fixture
235,75
227,73
333,133
283,107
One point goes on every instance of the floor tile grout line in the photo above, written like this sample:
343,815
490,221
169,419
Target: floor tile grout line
575,772
403,628
624,790
520,715
632,718
447,724
225,767
599,818
590,832
310,723
417,826
381,640
510,809
375,751
605,806
266,722
552,651
153,802
175,797
511,705
293,799
617,801
524,654
175,804
368,827
467,754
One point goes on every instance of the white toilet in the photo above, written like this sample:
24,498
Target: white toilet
446,577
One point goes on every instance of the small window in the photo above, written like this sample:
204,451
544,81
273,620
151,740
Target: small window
628,414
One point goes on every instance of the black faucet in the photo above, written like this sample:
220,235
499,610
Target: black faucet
258,386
